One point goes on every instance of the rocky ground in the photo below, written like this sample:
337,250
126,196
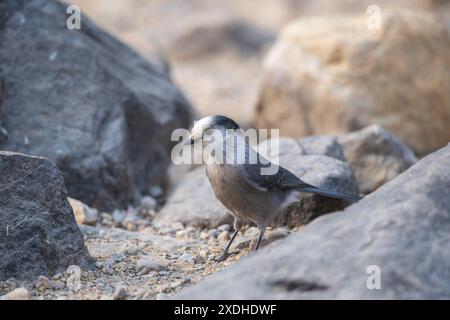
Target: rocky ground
154,263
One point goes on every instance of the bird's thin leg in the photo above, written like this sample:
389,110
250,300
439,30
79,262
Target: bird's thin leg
224,255
262,230
231,241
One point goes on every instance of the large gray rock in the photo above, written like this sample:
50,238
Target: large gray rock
402,229
375,156
193,201
38,232
322,145
83,99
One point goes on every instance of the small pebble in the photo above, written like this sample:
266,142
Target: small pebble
106,218
58,285
162,296
11,282
100,286
214,233
107,268
120,292
130,226
57,276
191,229
149,276
73,280
252,232
172,256
132,250
118,216
118,257
223,236
187,257
150,263
156,191
177,226
204,235
108,289
148,203
224,227
72,269
181,233
43,282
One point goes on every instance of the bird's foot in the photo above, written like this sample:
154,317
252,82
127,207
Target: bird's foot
224,256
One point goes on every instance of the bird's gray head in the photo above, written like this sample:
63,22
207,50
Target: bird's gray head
210,124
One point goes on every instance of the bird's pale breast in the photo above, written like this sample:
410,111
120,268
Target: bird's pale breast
239,197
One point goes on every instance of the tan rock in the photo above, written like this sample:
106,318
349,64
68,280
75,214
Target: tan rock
83,213
17,294
333,75
150,263
223,236
204,235
120,292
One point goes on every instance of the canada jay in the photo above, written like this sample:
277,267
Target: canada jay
240,185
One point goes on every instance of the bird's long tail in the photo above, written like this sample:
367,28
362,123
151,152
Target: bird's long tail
332,194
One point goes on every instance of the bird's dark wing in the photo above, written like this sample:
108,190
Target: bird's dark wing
286,180
283,179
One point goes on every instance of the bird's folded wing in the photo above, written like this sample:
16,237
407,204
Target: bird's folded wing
283,179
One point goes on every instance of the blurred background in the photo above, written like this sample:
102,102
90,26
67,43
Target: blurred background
216,47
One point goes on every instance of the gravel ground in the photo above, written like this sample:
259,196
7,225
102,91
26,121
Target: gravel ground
147,264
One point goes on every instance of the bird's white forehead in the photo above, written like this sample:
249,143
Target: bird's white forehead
200,126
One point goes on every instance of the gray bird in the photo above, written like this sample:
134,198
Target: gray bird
239,185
